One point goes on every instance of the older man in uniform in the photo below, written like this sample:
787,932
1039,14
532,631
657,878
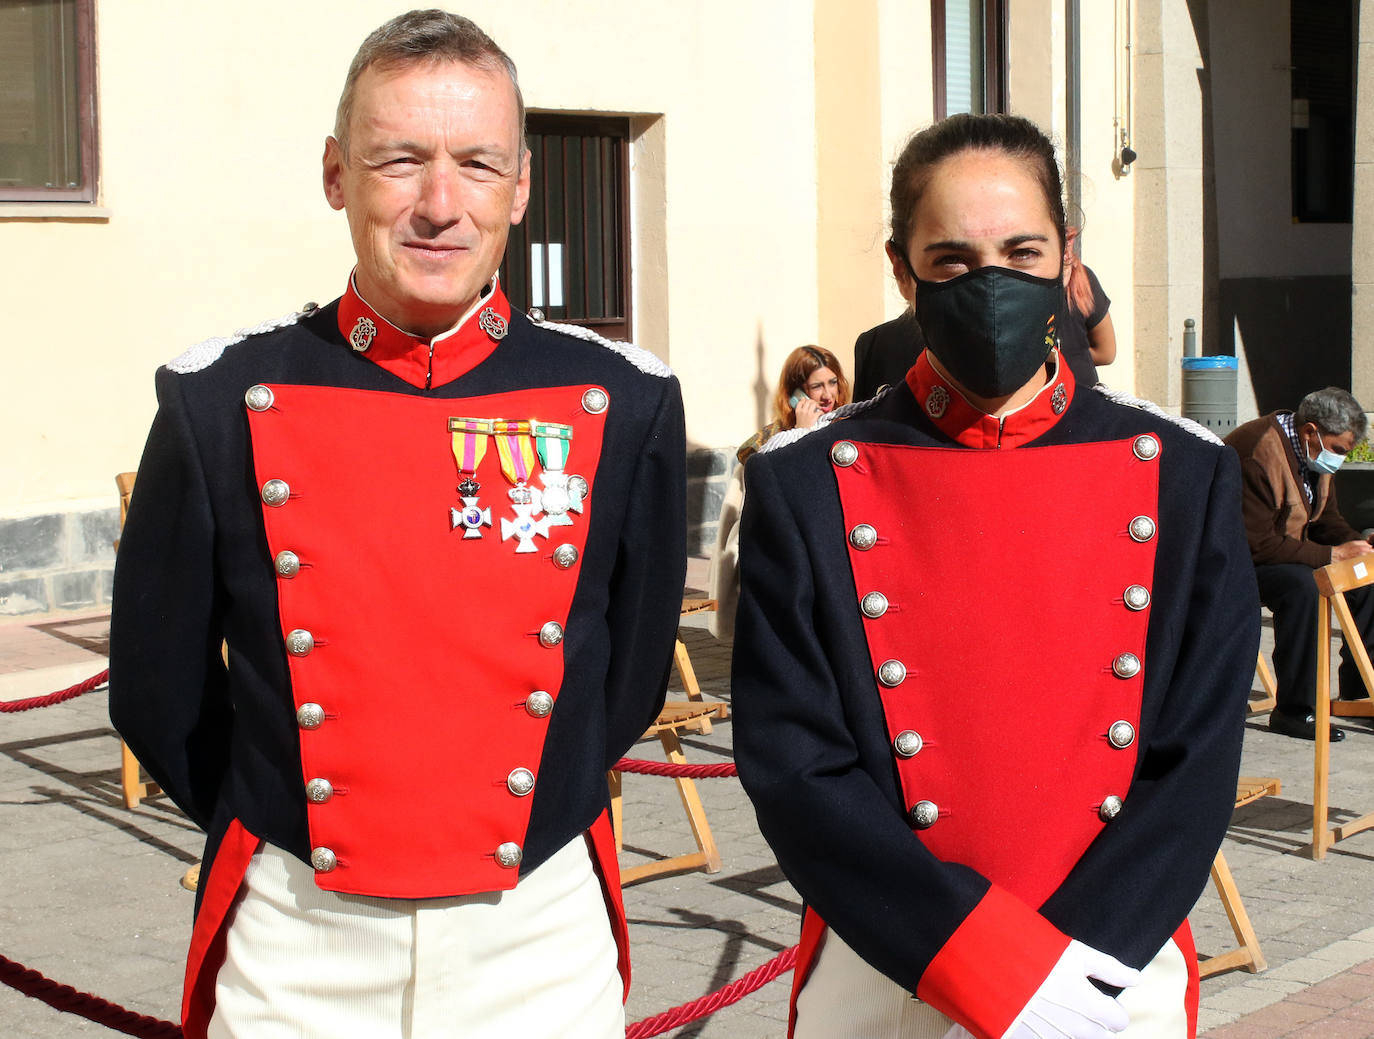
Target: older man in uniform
443,548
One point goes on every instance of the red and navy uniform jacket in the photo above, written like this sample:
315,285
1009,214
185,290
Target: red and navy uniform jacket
942,768
294,506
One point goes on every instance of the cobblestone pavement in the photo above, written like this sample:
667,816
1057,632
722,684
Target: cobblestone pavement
92,896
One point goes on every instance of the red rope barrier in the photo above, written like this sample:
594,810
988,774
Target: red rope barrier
713,1001
111,1015
83,1004
94,682
673,770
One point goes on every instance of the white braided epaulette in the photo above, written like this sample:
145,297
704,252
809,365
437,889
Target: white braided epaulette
1198,430
791,436
202,355
637,356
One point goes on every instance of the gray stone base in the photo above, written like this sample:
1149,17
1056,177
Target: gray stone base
708,473
57,561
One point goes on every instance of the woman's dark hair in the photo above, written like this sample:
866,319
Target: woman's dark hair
1011,134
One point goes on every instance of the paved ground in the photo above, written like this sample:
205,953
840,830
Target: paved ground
92,897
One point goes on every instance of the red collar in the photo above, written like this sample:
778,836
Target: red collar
418,360
965,424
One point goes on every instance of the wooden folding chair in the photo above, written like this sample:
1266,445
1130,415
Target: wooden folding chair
131,780
688,674
1246,955
672,720
1333,582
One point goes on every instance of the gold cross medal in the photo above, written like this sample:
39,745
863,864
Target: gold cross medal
553,441
470,441
516,450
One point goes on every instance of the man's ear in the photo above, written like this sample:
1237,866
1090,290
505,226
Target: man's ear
333,173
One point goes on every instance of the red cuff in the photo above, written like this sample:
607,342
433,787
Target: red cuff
992,965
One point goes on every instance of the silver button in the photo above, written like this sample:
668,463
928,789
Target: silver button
1126,665
863,537
275,492
323,860
551,634
1142,528
538,704
318,791
508,855
520,782
258,397
1121,734
288,564
299,642
924,814
1110,808
594,401
578,487
564,556
1145,447
536,315
844,453
908,744
309,716
892,673
1137,597
874,605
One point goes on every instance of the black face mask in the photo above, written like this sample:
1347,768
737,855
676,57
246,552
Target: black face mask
990,328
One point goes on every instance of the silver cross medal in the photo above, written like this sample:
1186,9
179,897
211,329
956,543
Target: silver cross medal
471,517
561,494
524,527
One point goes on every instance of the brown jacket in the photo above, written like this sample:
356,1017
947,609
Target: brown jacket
1279,523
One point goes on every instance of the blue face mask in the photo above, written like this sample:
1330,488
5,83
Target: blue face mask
1325,462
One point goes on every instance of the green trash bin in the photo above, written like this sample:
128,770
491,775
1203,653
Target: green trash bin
1209,392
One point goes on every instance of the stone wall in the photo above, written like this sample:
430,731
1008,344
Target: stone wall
57,561
708,472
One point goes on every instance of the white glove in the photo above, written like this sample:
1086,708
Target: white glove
1067,1005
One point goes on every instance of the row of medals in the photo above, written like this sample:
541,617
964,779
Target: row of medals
559,495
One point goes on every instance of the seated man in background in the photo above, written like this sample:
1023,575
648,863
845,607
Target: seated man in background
1294,527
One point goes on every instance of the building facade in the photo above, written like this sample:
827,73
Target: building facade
712,179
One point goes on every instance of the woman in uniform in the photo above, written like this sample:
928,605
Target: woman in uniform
995,638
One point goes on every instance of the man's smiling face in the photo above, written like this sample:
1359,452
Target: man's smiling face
432,180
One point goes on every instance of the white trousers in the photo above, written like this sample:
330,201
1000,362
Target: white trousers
536,961
845,998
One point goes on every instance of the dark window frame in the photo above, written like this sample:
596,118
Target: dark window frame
995,17
87,120
612,134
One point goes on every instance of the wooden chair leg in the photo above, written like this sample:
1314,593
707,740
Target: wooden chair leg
129,777
1266,677
691,804
1321,760
617,810
1247,955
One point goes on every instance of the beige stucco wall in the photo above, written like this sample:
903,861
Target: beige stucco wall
1362,254
212,124
1168,194
758,198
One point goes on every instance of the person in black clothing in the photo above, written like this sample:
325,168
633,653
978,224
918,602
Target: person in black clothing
1086,336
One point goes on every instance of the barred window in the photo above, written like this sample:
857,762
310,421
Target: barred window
570,256
47,101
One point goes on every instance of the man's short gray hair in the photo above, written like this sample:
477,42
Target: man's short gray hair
425,37
1334,411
